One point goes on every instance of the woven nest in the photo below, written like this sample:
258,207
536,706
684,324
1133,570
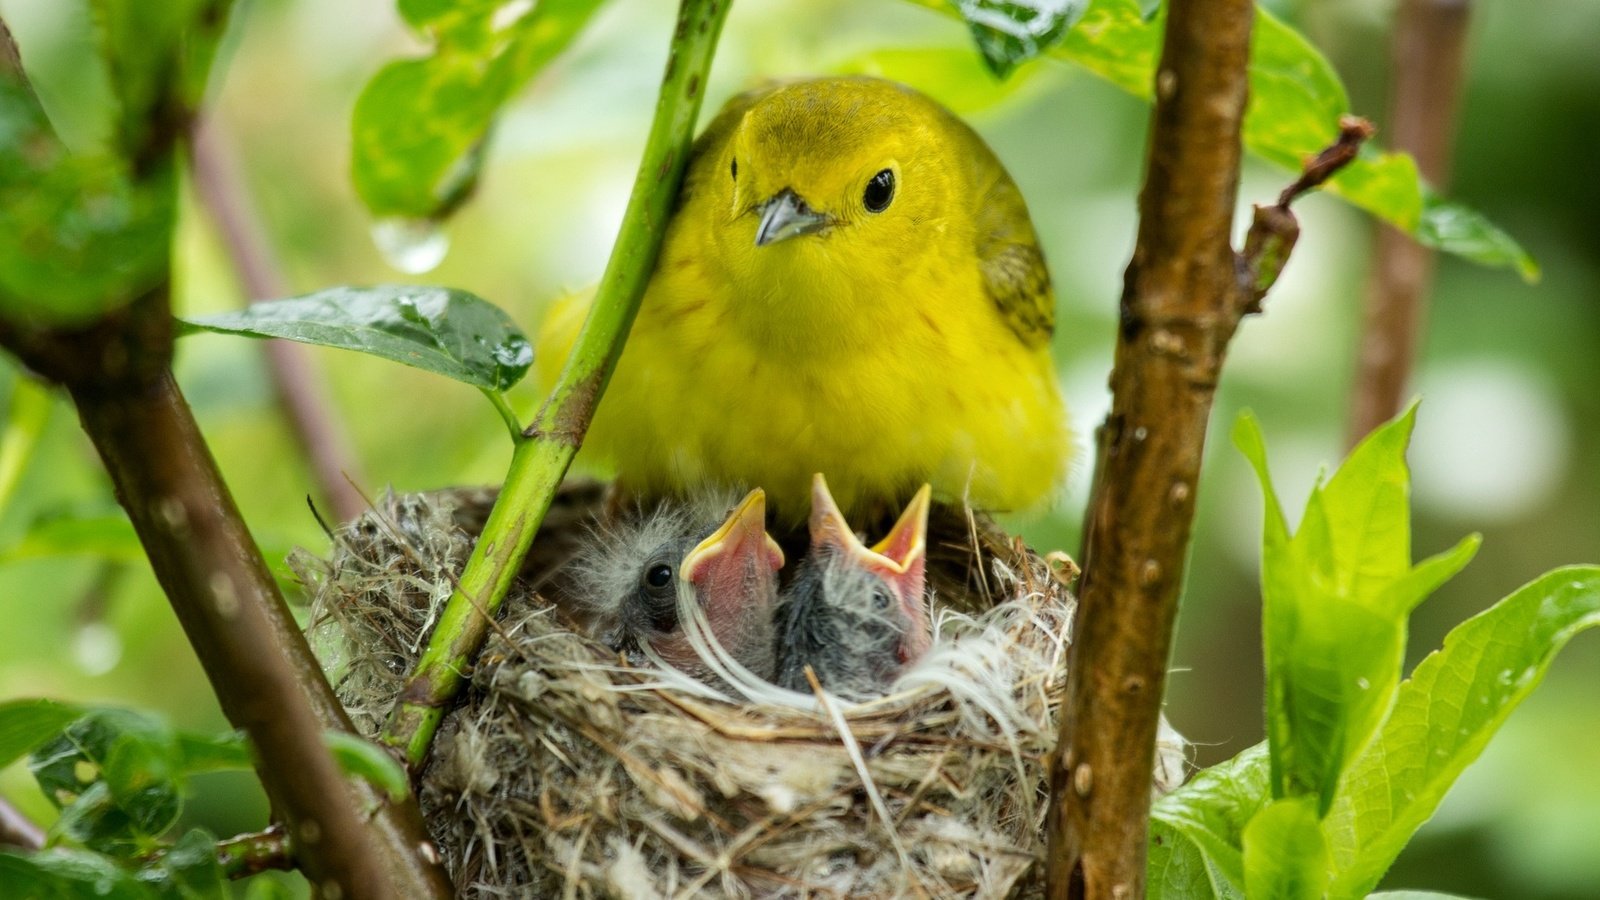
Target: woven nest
565,773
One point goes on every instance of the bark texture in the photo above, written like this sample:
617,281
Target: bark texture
1183,296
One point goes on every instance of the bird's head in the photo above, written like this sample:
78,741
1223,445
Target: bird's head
837,179
895,567
734,571
639,573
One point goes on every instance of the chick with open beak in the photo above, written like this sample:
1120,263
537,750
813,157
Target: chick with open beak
641,574
857,616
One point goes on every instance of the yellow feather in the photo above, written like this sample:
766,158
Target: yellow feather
885,350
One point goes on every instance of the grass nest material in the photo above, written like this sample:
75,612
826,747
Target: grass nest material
565,773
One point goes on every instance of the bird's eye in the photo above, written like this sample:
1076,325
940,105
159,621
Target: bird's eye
881,600
879,192
734,169
659,575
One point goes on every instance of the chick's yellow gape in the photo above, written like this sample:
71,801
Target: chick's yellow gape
850,284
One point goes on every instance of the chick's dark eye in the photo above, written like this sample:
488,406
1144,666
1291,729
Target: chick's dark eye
658,576
881,599
879,192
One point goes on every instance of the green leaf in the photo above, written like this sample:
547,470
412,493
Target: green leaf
1285,855
1466,233
78,236
219,753
1443,717
1011,32
158,55
442,330
1203,823
419,126
189,869
1296,101
1414,895
1177,869
26,724
28,411
61,874
1445,714
954,76
1336,596
108,537
367,760
115,775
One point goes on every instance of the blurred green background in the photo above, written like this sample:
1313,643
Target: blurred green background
1508,438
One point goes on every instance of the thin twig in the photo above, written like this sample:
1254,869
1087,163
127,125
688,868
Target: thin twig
306,407
244,855
1353,132
1429,48
541,458
17,830
251,854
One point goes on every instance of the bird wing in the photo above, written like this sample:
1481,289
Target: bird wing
1014,272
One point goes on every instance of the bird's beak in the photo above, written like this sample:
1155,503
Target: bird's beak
893,556
785,216
737,552
900,559
907,542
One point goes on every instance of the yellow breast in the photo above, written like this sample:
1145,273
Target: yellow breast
875,348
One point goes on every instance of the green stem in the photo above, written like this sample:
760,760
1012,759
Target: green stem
30,409
507,414
542,458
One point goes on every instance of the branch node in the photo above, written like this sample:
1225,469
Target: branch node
1353,132
1274,229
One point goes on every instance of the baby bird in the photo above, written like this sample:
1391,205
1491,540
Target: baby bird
850,283
640,576
856,616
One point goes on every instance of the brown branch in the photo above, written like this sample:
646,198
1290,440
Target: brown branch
1429,48
351,840
257,660
1183,296
305,404
16,829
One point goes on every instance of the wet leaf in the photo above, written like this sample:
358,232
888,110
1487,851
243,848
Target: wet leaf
1444,716
1296,101
443,330
115,774
1011,32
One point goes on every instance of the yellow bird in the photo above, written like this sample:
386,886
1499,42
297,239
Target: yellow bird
849,284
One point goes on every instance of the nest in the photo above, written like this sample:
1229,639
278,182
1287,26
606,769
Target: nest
565,773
